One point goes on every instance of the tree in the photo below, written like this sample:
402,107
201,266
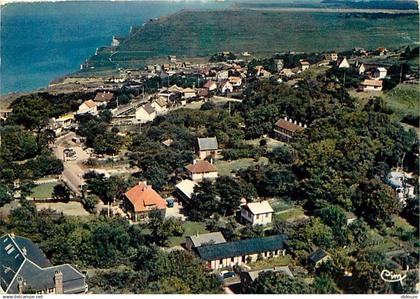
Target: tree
375,202
270,282
89,203
161,229
5,195
281,155
204,201
230,191
61,192
411,211
324,284
30,111
366,277
17,144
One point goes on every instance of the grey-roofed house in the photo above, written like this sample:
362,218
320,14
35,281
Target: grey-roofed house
24,268
248,277
241,252
207,147
398,181
318,257
204,239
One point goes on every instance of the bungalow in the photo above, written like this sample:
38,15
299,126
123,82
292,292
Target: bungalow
203,93
210,85
222,75
225,86
279,64
88,106
264,74
65,121
192,242
304,65
285,129
371,85
229,254
257,213
248,277
318,257
398,181
287,73
235,81
140,200
343,63
145,113
207,147
379,73
26,269
188,93
366,67
103,97
160,105
185,190
201,170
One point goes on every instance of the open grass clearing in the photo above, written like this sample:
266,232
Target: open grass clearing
271,262
226,168
71,208
44,190
191,228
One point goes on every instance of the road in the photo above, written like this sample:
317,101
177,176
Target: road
73,171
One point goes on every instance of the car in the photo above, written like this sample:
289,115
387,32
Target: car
226,274
170,202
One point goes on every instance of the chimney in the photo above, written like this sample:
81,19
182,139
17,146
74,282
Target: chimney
300,124
25,252
58,281
211,160
194,161
305,126
285,118
295,122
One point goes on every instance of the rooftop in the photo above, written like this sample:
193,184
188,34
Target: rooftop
103,97
202,166
283,269
206,144
186,187
144,198
376,83
207,239
318,255
261,207
241,248
288,125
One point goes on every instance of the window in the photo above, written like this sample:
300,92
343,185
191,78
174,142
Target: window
258,217
221,261
232,259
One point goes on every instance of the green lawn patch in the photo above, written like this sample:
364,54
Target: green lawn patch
290,215
44,190
191,228
271,262
403,99
227,168
279,205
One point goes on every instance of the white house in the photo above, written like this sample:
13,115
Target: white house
379,73
201,170
398,181
331,56
88,106
343,63
222,75
160,105
225,86
304,65
371,85
257,213
185,190
188,93
235,81
145,113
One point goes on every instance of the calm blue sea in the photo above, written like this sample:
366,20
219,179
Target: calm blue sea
43,41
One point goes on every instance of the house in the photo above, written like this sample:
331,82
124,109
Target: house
285,129
25,269
140,200
203,93
201,170
210,85
318,257
65,121
324,63
398,181
235,81
257,213
145,113
229,254
248,277
186,64
207,147
288,73
371,85
264,74
103,97
304,65
225,86
279,64
192,242
185,190
172,58
381,51
160,105
188,93
5,113
222,75
379,73
343,63
88,106
330,56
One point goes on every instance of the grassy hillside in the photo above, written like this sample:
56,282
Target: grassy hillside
404,100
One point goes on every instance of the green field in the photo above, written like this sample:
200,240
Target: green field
202,33
191,228
227,168
43,190
404,99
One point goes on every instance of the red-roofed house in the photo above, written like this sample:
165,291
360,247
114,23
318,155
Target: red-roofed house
88,106
201,170
285,129
141,200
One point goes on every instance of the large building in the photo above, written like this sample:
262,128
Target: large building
285,129
229,254
204,239
141,200
200,170
24,268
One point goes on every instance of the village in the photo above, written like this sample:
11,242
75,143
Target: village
134,100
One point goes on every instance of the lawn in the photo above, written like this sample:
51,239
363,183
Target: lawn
403,99
71,208
291,215
279,205
272,262
191,228
44,190
226,168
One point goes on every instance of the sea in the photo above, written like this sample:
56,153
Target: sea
43,41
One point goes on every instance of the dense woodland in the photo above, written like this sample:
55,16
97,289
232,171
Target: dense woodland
339,165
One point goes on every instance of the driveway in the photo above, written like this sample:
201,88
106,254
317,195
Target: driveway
176,212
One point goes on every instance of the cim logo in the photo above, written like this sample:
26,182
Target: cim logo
390,276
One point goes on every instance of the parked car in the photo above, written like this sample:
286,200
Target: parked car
170,202
226,274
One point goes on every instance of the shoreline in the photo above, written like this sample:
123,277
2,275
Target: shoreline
336,10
